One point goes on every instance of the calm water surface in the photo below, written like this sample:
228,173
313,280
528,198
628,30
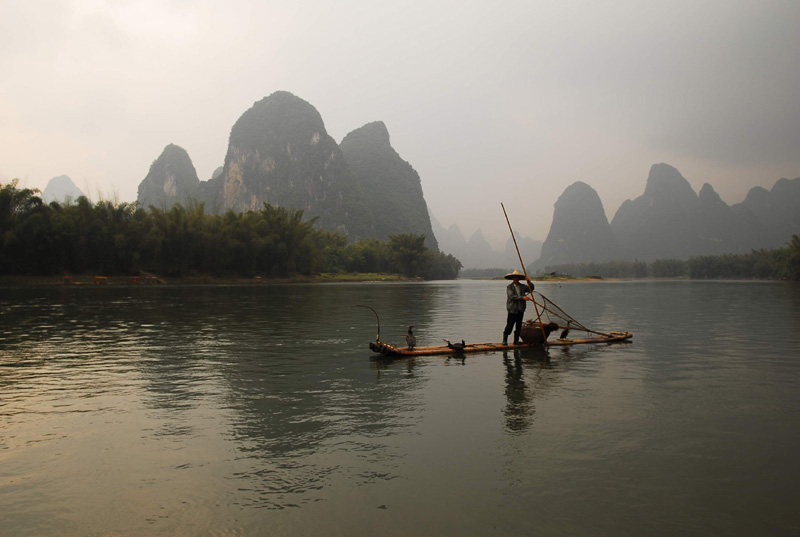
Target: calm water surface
259,410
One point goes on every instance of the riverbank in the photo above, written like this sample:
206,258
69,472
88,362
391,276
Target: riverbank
153,279
560,279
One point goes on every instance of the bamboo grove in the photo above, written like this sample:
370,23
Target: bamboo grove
108,238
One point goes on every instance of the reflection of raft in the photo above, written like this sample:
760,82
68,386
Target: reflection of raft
533,334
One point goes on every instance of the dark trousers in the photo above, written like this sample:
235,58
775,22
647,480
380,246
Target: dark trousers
514,322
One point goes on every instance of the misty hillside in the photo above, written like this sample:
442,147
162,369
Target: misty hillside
172,179
663,222
477,253
580,231
776,212
280,153
670,221
388,182
61,189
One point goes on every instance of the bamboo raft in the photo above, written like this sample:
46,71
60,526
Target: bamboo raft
388,349
534,333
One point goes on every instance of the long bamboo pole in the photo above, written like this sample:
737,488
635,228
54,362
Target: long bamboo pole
525,272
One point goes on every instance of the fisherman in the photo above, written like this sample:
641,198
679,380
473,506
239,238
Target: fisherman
515,304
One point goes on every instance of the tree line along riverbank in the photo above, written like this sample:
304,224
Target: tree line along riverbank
766,264
109,239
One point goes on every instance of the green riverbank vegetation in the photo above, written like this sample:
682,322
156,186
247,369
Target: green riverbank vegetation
775,264
118,239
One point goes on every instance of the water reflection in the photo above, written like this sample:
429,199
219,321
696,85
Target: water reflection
385,363
527,375
296,424
275,361
167,411
519,409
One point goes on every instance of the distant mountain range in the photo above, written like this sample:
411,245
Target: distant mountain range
478,253
280,153
669,221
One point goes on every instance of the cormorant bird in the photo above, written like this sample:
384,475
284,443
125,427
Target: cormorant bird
565,332
456,346
411,339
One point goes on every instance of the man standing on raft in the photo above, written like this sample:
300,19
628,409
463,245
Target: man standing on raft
515,304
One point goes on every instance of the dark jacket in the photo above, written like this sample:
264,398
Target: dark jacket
514,301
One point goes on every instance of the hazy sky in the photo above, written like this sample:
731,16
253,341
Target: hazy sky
502,101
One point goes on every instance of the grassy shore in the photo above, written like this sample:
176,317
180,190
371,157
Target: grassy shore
153,279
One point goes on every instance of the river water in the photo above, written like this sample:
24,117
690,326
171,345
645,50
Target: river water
259,410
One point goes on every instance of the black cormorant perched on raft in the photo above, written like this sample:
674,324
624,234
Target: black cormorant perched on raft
411,339
455,346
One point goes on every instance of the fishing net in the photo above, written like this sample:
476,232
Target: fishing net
549,312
